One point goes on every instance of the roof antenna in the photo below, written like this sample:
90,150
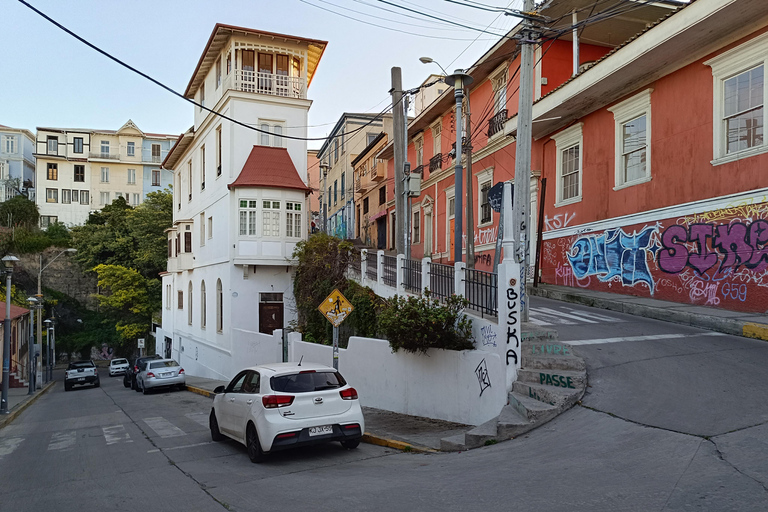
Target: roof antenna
300,360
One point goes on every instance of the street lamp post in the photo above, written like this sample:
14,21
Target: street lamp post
48,327
326,196
40,296
31,346
458,80
8,262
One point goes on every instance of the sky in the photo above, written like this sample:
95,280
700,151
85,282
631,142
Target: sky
50,79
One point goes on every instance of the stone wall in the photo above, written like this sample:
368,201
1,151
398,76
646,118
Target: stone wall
63,275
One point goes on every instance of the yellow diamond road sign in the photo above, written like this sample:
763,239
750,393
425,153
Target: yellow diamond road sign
336,308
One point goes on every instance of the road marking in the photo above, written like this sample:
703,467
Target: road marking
116,434
179,447
641,338
7,446
594,316
563,314
541,319
201,418
62,440
163,427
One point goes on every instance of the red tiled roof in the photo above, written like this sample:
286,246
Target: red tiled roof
16,311
269,167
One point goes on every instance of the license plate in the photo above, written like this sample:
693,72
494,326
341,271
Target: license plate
166,374
320,431
81,379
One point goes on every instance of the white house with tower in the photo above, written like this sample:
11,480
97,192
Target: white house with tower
240,203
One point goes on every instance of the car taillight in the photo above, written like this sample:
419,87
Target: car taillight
181,371
95,371
150,374
275,401
348,394
135,369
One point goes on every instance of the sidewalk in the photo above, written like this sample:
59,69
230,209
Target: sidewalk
750,325
383,428
19,399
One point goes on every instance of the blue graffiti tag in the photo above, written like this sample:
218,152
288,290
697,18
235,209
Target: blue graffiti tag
489,335
614,254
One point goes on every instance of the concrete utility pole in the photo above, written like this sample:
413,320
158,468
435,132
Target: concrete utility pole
406,184
400,137
458,80
522,202
470,197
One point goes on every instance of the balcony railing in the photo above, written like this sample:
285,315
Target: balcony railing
436,162
268,83
104,156
377,171
418,170
358,185
496,123
153,159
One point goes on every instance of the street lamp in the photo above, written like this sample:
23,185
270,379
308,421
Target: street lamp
8,261
32,301
430,60
40,294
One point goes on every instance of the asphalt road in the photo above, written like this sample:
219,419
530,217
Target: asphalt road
674,419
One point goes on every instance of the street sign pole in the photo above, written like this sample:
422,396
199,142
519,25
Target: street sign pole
336,308
335,347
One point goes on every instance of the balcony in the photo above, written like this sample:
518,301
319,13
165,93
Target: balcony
358,187
184,261
172,265
418,170
378,171
496,123
104,156
267,83
436,162
154,159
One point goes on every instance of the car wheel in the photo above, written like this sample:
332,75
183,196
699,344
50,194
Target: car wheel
216,434
97,384
144,389
350,444
137,388
134,386
126,382
255,453
67,387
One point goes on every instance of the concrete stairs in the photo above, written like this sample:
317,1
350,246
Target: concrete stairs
552,379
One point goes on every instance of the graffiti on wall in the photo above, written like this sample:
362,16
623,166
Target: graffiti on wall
561,220
512,320
716,258
481,372
488,335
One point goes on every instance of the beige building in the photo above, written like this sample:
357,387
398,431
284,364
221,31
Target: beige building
371,194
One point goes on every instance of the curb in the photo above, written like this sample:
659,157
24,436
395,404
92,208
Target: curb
367,437
701,321
24,404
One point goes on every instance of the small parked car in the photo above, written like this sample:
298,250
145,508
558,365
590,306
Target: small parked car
277,406
129,380
160,373
81,372
118,366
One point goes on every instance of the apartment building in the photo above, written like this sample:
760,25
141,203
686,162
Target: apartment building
17,163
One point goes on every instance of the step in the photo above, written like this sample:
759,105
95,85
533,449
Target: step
512,424
532,409
562,398
552,348
453,443
535,333
477,437
566,379
573,363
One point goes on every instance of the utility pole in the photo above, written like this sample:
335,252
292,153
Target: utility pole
399,145
470,197
406,184
458,80
522,201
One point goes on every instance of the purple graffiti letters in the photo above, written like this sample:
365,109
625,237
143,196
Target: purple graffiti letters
612,254
739,243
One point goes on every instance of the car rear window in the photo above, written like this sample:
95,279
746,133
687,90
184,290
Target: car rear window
305,382
119,361
81,364
163,364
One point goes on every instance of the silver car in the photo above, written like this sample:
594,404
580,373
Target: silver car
118,366
160,373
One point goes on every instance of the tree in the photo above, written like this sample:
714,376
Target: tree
19,211
129,299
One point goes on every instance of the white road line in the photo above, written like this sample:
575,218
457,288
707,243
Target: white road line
8,445
594,316
642,338
163,427
62,440
201,418
562,314
116,434
543,319
179,447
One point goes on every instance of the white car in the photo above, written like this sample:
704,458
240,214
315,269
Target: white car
118,366
158,373
276,406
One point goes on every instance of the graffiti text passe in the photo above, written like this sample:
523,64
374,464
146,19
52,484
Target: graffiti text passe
740,243
614,254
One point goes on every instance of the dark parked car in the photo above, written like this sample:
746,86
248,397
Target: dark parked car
129,379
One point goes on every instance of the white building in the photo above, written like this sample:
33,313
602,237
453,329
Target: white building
240,200
83,170
17,163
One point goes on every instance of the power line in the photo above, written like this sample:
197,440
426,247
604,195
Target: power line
440,19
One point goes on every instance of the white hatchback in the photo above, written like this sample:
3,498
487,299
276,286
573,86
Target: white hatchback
276,406
118,366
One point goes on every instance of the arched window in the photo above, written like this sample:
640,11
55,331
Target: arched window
189,304
219,307
203,300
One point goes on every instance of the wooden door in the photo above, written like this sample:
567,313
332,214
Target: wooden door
270,316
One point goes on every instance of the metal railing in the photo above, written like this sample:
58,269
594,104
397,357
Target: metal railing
412,275
105,155
389,271
371,271
436,162
481,290
441,280
269,83
355,265
496,123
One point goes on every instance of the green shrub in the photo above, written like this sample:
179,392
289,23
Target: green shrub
416,324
